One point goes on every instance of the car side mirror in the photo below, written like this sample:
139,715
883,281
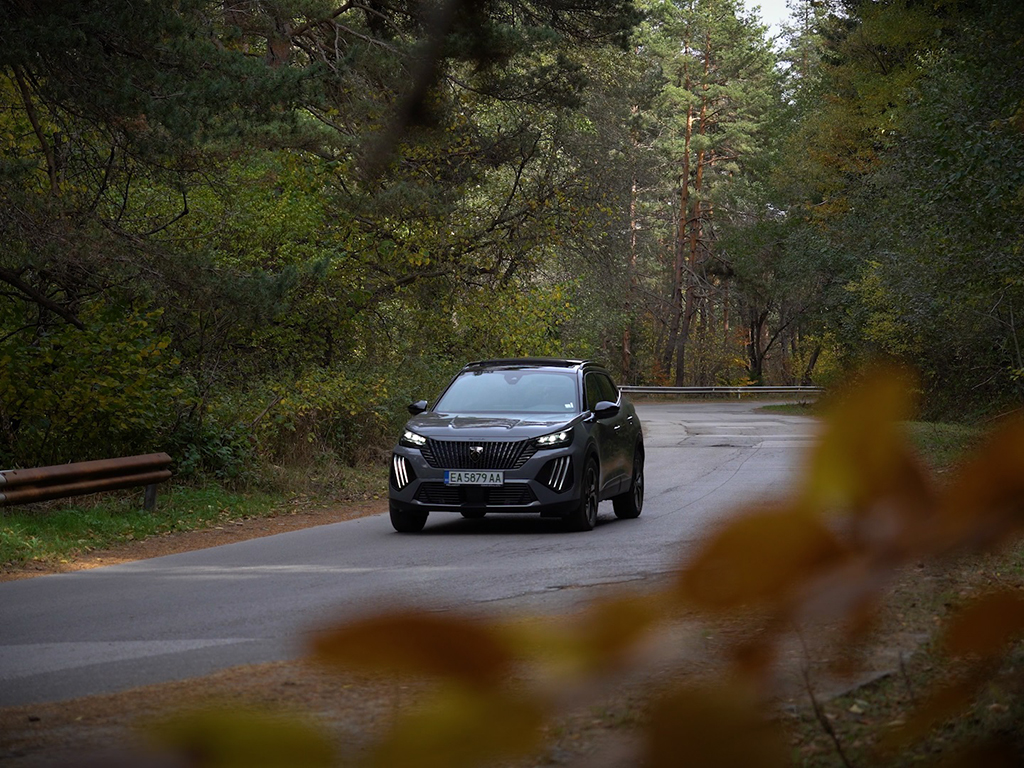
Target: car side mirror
418,407
605,409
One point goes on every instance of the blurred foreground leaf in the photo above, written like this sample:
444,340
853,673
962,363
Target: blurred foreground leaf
454,647
461,728
759,558
985,499
987,625
862,452
712,726
608,629
940,705
231,738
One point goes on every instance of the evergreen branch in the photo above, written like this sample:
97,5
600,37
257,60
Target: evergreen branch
303,28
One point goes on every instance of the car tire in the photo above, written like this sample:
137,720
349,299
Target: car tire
584,517
407,522
628,505
473,514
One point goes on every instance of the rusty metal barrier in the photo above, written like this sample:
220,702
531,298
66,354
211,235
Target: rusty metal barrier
24,486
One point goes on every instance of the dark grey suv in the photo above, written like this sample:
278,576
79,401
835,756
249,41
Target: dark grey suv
553,437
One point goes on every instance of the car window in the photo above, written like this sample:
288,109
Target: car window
593,387
609,391
511,391
600,387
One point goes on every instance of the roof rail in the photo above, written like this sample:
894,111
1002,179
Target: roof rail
551,361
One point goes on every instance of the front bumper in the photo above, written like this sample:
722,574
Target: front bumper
547,484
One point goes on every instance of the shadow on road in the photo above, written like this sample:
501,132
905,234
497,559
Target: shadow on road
452,524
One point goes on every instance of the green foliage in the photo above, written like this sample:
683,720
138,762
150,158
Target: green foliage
531,326
109,390
327,225
327,410
893,220
707,121
212,449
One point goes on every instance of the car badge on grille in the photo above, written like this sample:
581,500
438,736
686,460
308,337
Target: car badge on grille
476,453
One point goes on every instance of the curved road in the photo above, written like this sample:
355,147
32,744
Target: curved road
181,616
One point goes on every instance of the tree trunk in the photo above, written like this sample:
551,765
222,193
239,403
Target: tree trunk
809,369
755,350
694,222
677,308
627,331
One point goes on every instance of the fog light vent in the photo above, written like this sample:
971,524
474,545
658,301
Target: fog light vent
557,474
401,472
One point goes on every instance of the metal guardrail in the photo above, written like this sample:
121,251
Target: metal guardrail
24,486
738,391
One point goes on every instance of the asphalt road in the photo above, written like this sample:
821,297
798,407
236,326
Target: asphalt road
186,615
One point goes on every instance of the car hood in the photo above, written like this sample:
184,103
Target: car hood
446,426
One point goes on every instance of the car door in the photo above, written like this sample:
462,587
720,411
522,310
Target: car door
610,433
623,431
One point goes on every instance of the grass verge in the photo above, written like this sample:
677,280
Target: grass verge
940,444
56,532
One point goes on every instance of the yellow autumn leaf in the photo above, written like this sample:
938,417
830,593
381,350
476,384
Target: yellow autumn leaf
759,557
459,728
418,642
712,726
984,500
862,452
987,625
219,737
938,706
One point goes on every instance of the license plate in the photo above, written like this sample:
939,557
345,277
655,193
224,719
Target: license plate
469,477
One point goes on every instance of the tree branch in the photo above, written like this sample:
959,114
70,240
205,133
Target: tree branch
33,116
12,279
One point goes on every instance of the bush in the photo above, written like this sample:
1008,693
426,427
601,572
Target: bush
73,395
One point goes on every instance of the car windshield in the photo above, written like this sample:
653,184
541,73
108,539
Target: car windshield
511,391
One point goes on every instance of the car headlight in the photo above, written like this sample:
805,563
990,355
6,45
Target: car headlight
555,439
411,440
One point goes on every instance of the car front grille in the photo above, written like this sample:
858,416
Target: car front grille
511,495
463,454
438,493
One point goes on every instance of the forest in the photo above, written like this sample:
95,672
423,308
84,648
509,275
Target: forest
253,231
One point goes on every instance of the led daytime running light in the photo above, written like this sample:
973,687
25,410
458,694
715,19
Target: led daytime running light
555,439
413,440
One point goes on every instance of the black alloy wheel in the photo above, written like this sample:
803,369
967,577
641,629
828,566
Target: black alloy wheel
628,505
584,518
407,522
